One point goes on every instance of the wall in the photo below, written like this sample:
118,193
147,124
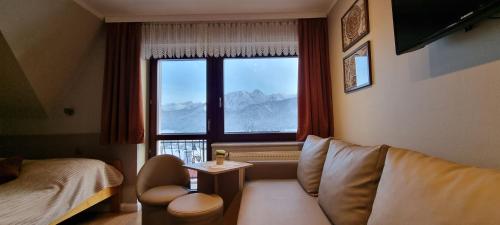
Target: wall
142,148
83,94
49,38
442,100
17,98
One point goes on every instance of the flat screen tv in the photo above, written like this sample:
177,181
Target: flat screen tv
420,22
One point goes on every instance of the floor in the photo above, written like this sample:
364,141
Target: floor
93,218
134,218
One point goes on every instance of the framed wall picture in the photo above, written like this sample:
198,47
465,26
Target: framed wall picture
355,24
357,69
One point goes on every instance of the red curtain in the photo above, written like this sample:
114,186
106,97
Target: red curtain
122,114
314,92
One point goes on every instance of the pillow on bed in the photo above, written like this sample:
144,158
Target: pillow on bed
10,169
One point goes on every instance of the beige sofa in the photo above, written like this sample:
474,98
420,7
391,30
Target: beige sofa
393,187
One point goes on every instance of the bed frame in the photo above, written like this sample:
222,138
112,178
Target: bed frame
111,192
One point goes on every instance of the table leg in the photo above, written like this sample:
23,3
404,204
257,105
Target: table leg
227,185
206,183
241,178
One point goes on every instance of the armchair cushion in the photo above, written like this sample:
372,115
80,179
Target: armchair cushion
162,195
162,170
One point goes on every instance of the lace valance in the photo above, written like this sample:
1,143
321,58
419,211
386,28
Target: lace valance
220,39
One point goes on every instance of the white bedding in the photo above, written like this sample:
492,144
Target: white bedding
47,189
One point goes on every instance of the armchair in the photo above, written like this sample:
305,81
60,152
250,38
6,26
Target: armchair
159,182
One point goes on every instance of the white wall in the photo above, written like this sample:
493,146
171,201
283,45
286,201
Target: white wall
442,100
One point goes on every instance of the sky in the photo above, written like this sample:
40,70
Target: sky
185,80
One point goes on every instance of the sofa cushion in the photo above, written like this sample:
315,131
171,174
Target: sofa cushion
417,189
311,162
278,202
349,182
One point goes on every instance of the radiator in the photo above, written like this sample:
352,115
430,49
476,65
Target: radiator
263,156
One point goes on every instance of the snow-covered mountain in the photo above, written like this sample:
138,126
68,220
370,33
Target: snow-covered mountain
183,105
243,111
238,100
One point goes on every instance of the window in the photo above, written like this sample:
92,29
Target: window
260,95
196,102
182,96
180,109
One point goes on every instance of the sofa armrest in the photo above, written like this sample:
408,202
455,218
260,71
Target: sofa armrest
275,169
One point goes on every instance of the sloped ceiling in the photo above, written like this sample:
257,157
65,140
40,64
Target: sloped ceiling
47,38
17,98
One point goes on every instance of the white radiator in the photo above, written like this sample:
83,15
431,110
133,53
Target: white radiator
263,156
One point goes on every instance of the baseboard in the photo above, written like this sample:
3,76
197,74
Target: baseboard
129,207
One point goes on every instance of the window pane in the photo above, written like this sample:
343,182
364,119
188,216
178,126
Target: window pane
182,96
260,95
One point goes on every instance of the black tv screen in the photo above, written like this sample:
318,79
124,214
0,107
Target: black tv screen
419,22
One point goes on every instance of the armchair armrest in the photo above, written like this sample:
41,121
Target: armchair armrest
272,169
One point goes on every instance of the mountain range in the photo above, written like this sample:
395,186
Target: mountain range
243,111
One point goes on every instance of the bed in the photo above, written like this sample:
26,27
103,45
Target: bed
52,190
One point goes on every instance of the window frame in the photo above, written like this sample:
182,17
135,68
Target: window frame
215,114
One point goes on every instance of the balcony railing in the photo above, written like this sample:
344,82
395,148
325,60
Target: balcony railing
190,151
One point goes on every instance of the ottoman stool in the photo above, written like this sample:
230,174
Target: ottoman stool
196,209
